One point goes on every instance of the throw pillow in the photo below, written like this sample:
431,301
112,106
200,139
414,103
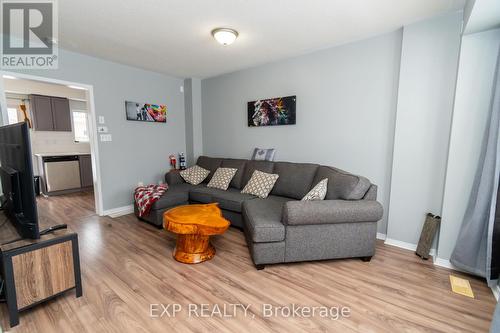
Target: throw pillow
194,175
221,178
260,154
260,184
318,192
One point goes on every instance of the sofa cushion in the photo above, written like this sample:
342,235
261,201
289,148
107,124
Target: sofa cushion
341,184
176,194
231,199
318,192
209,163
194,175
295,179
261,184
251,166
222,177
201,193
237,181
263,219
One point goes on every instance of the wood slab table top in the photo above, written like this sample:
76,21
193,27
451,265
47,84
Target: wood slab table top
197,219
194,224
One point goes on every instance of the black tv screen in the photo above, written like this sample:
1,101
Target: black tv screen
16,171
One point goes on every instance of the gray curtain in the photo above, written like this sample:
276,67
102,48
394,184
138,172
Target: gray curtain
473,250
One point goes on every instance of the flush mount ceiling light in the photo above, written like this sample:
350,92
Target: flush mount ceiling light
225,36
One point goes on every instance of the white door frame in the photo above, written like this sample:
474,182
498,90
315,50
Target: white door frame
94,147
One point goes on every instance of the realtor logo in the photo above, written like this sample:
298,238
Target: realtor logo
29,34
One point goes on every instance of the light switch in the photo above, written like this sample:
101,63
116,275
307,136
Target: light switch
101,119
182,89
106,137
102,129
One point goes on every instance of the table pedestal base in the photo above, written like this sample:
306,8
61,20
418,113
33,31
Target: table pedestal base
193,249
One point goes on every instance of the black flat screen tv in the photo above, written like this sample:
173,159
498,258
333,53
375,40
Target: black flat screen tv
16,174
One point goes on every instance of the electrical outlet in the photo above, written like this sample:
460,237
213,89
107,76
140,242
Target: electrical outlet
106,138
140,184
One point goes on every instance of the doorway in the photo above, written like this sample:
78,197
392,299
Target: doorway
63,132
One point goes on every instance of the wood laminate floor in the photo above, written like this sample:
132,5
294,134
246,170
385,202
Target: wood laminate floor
127,265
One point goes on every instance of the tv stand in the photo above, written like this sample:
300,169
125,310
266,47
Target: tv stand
37,270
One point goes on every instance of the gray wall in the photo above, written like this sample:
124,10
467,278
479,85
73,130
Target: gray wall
478,58
429,61
346,107
139,150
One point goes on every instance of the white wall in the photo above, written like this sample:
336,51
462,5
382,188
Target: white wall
346,107
139,150
429,61
478,58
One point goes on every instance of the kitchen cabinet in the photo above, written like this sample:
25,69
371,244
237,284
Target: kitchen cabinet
50,113
41,109
86,177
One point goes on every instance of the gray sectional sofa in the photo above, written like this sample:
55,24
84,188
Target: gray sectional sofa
281,228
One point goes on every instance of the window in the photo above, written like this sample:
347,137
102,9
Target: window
80,125
12,115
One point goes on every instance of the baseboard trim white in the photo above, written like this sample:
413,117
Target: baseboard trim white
119,211
444,263
496,291
405,245
381,236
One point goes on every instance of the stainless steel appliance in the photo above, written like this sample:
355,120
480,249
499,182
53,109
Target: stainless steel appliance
61,172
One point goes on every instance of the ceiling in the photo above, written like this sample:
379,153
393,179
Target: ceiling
173,36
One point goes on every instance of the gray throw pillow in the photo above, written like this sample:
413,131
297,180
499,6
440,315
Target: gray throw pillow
194,175
222,178
260,184
318,192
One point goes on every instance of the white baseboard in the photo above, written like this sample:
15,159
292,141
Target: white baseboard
381,236
119,211
444,263
496,291
405,245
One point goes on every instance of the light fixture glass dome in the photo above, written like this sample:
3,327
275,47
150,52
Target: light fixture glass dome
225,36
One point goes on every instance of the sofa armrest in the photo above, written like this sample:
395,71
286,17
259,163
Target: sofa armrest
331,211
173,178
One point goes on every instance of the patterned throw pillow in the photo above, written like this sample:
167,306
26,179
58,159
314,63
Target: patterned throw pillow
260,154
260,184
221,178
318,192
194,175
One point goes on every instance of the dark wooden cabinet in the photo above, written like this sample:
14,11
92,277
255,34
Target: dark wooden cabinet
61,114
50,113
86,177
41,108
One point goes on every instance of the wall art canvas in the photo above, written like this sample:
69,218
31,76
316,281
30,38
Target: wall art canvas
156,113
272,111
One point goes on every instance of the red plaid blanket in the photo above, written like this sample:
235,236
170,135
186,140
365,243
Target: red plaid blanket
146,196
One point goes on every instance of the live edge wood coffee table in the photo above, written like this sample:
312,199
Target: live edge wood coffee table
194,224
